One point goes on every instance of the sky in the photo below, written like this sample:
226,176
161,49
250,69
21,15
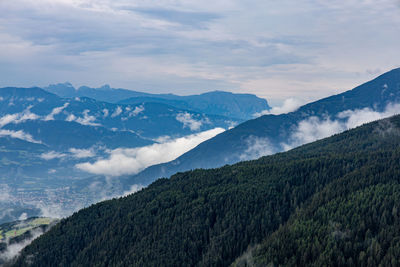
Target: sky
276,49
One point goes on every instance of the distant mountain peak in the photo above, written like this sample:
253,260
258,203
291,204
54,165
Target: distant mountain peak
65,84
68,84
106,87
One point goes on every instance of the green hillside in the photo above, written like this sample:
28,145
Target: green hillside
329,201
18,228
360,228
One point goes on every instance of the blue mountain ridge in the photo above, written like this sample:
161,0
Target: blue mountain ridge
38,129
241,106
274,130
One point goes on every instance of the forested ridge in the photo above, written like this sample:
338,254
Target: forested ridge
331,202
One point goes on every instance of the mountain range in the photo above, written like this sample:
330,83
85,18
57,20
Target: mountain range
269,134
60,154
45,137
334,202
240,106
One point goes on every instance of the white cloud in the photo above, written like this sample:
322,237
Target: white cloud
231,124
27,115
133,189
14,249
55,111
256,148
71,117
82,153
117,112
52,209
314,128
359,117
188,121
136,111
85,120
7,119
52,155
18,135
18,117
23,216
105,113
289,105
162,139
123,161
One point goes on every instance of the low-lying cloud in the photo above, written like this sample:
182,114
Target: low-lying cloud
136,111
14,249
314,128
133,189
257,147
123,161
18,117
85,120
189,122
18,135
289,105
55,111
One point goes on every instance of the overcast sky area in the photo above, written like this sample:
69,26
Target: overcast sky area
276,49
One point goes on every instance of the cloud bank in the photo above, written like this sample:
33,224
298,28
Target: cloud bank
123,161
18,117
256,148
315,128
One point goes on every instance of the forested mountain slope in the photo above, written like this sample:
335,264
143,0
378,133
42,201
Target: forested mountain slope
211,217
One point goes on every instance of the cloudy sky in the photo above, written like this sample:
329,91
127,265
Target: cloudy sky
277,49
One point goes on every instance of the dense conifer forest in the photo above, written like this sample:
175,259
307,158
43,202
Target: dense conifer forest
333,202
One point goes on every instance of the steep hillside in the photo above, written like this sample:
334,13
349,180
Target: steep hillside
18,233
274,133
210,217
339,227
